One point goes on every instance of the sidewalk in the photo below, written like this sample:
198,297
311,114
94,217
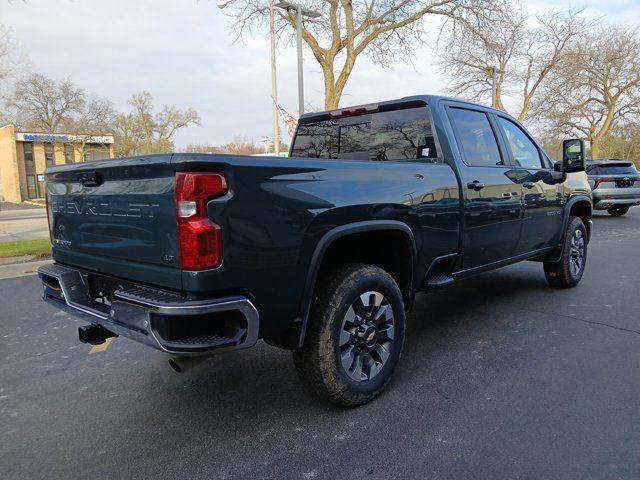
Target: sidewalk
20,266
22,222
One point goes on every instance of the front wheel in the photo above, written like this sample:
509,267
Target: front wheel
354,337
617,211
568,271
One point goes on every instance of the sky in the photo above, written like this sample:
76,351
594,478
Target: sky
182,51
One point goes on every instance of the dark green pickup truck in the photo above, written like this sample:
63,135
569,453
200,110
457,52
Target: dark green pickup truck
321,253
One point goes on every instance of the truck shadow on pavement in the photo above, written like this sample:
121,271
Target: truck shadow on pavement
242,392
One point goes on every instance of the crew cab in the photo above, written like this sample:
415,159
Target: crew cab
321,253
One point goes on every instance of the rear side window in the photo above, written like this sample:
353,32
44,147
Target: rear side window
611,169
524,151
394,135
475,137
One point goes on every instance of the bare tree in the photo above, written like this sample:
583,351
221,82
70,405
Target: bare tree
42,104
384,30
238,146
521,52
623,142
6,42
142,131
596,87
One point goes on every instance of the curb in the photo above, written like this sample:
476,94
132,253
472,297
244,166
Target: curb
21,269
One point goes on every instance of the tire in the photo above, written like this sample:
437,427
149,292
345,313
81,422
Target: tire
343,333
568,272
617,211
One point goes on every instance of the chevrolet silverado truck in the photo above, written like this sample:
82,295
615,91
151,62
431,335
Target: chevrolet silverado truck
321,253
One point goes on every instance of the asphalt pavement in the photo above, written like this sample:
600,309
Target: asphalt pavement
502,377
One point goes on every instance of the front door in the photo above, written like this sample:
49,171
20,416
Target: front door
542,220
492,200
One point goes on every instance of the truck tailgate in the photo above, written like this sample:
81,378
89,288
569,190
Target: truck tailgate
117,217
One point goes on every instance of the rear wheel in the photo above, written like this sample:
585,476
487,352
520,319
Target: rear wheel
354,337
617,211
568,271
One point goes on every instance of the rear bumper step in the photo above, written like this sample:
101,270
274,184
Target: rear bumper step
156,318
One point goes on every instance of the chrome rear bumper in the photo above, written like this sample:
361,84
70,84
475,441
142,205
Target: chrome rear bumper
157,318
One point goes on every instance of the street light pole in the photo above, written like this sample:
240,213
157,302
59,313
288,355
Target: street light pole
300,70
274,81
300,12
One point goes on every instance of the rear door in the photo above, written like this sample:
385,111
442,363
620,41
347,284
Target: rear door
492,203
117,217
542,219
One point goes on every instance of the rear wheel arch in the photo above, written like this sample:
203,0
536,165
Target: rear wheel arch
398,258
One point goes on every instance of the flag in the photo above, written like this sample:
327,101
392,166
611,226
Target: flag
290,123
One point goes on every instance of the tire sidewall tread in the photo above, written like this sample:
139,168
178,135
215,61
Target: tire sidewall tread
317,361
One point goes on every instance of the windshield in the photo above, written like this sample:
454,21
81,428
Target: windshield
394,135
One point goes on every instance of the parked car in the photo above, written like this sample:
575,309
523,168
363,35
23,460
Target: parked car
322,253
615,185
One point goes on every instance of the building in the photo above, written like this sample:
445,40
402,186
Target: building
25,155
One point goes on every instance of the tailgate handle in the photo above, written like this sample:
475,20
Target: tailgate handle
90,179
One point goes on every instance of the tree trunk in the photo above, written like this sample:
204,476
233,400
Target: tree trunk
595,148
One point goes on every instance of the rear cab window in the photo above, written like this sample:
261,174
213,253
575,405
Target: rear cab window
395,135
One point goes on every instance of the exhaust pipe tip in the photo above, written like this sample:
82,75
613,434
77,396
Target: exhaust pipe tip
182,364
175,365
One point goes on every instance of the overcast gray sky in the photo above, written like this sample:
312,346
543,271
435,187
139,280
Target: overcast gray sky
181,51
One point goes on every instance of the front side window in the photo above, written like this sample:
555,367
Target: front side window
394,135
476,138
524,152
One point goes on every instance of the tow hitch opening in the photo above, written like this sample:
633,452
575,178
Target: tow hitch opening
94,334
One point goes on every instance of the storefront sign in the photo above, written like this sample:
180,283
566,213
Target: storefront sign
62,138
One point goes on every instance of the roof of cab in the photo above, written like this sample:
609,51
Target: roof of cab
387,104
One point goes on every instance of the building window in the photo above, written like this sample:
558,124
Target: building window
32,187
96,151
49,158
68,153
27,148
30,170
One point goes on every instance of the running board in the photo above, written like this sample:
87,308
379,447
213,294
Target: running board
439,281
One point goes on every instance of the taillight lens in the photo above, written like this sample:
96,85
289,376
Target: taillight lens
603,180
199,238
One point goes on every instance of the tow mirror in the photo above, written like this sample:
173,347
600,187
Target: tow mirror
573,155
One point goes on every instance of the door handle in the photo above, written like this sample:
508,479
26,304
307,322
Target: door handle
475,185
528,185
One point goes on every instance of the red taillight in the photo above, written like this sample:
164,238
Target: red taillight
200,239
602,180
349,111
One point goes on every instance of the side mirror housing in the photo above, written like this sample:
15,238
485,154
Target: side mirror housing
573,155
